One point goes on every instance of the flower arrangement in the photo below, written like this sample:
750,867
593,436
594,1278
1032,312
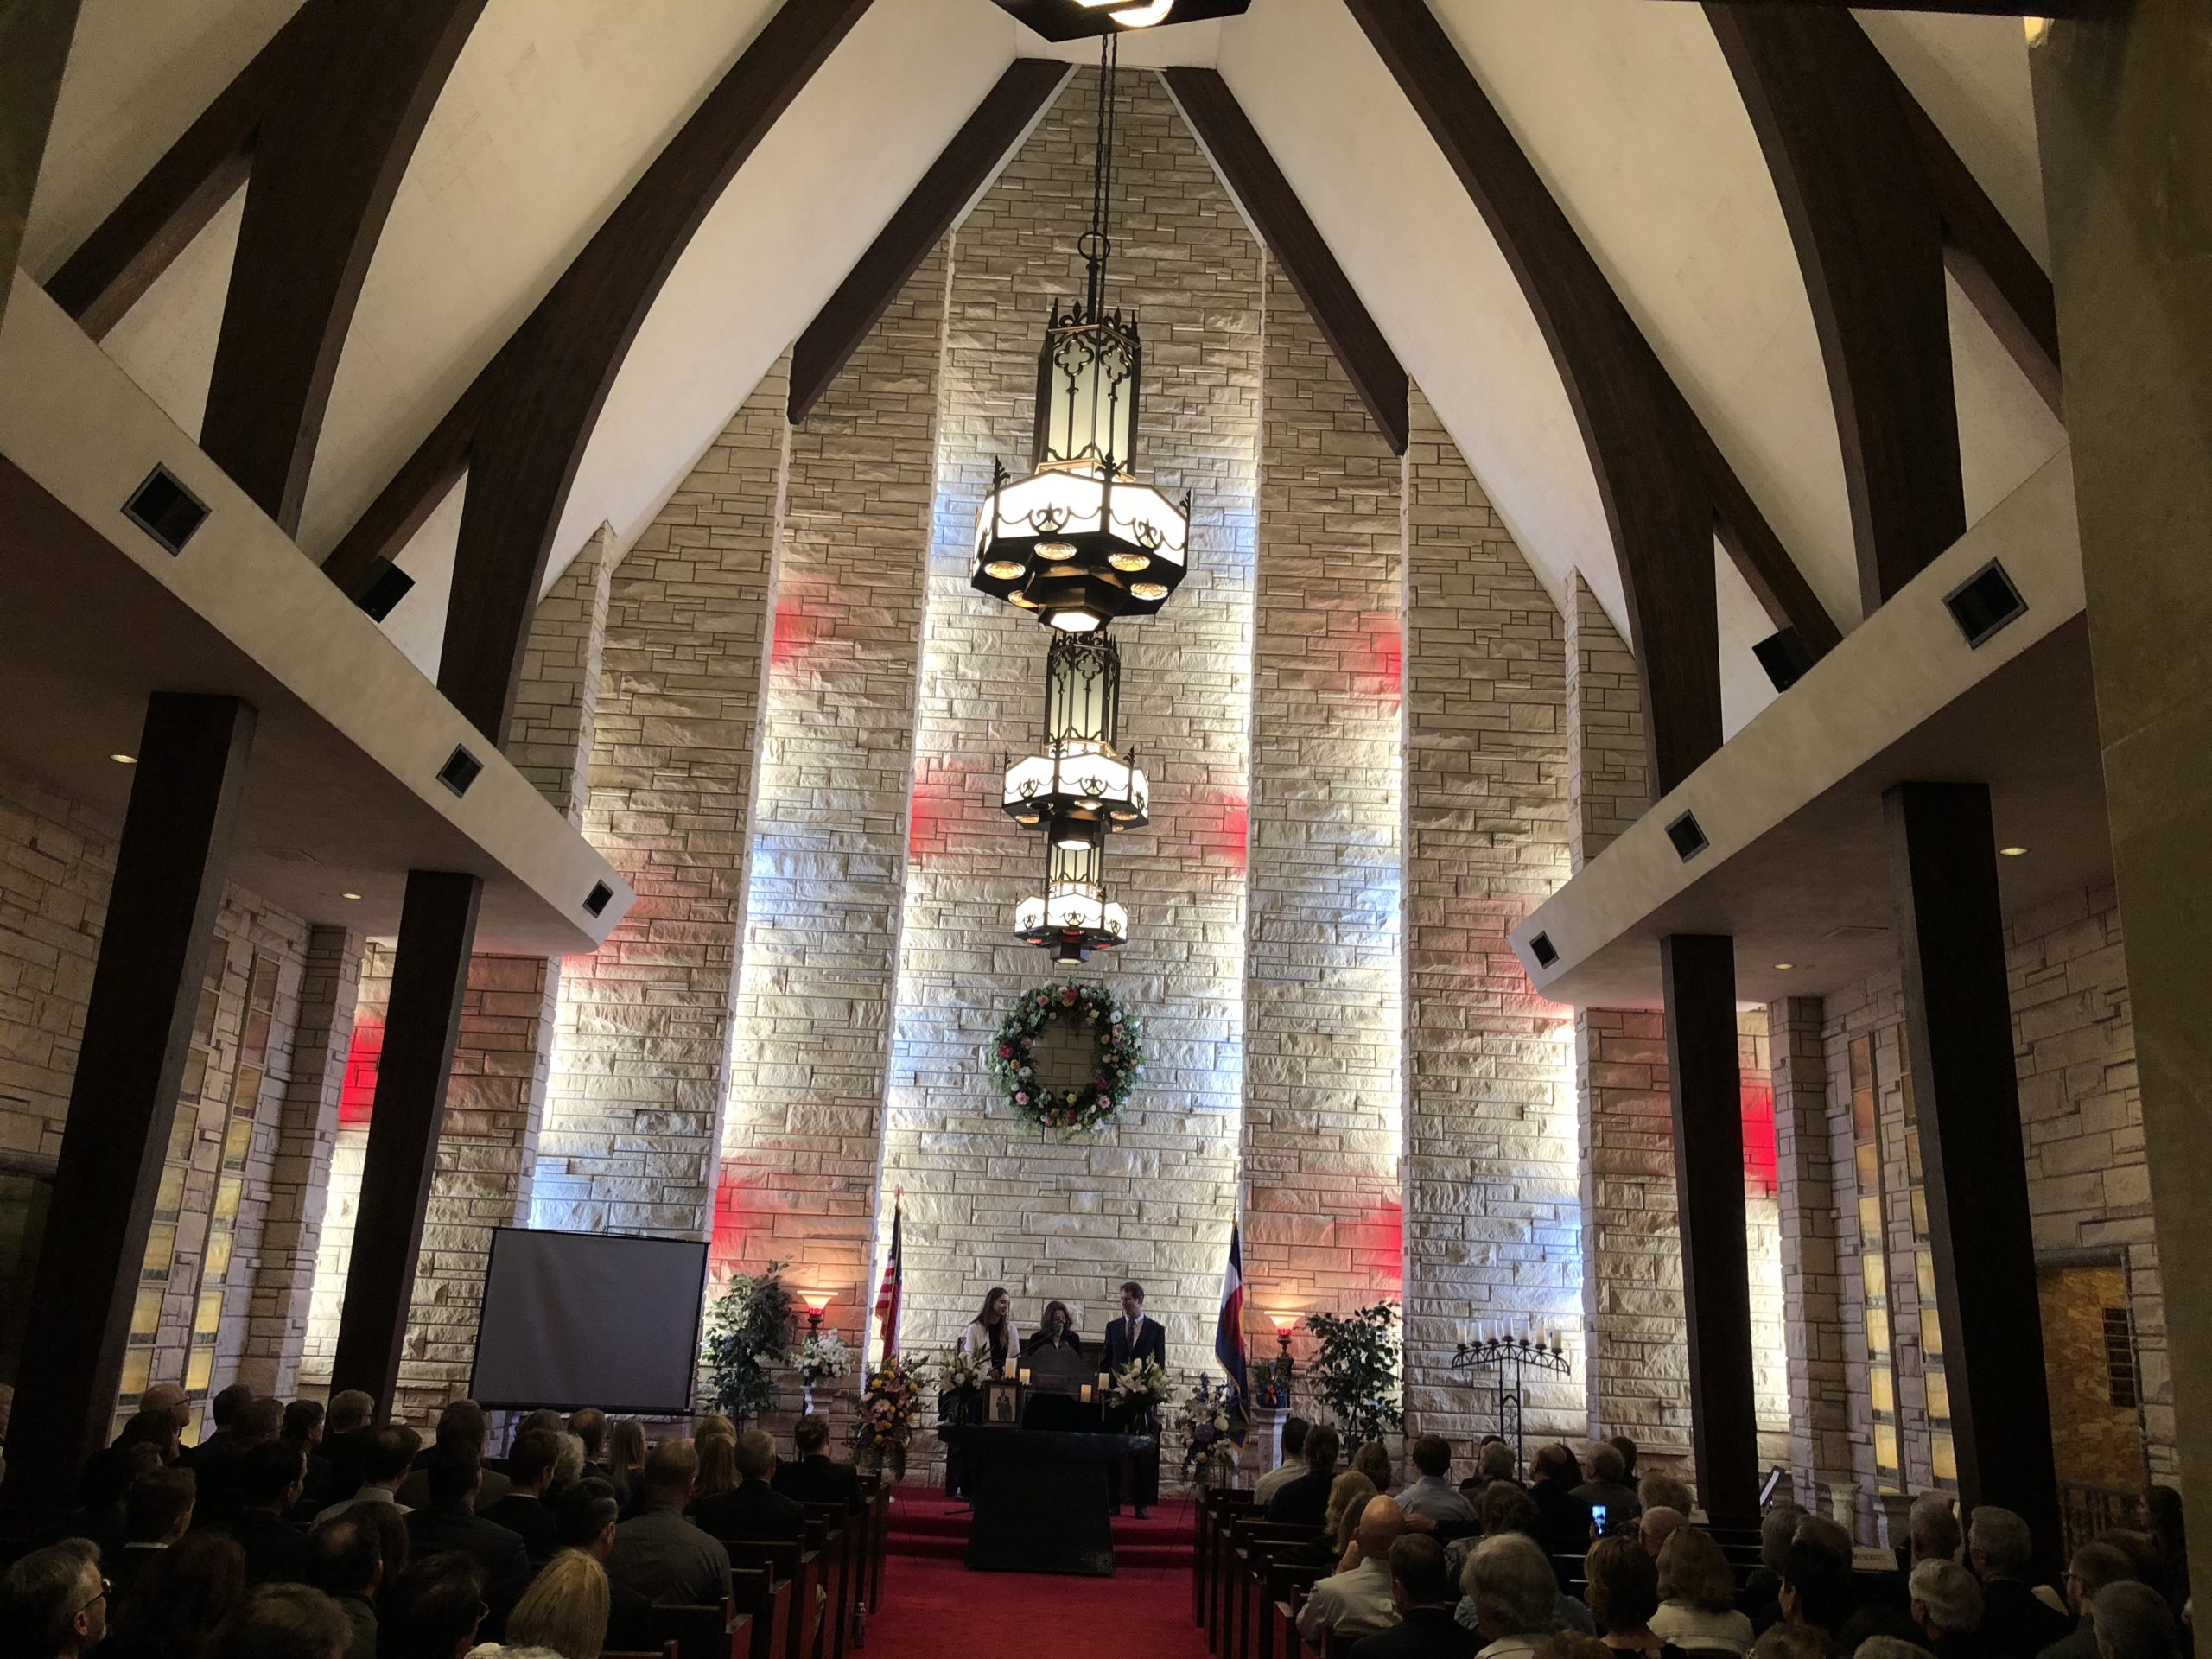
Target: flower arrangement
1271,1382
823,1357
749,1330
1119,1054
1139,1385
889,1408
1355,1370
1206,1416
966,1371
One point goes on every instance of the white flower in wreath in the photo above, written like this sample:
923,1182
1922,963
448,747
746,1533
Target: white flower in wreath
1114,1018
1023,1072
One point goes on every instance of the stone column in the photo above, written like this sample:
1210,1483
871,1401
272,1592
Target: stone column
2125,154
1813,1324
1493,1210
556,705
1323,1107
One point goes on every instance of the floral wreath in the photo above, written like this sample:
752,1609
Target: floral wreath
1119,1056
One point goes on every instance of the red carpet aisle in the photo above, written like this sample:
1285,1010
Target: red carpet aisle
934,1608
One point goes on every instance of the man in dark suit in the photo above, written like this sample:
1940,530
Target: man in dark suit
450,1522
751,1509
1421,1587
814,1476
270,1479
462,1423
2013,1619
1134,1336
156,1513
523,1511
584,1518
1305,1501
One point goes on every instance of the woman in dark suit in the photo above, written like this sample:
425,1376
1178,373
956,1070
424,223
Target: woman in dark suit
1057,1331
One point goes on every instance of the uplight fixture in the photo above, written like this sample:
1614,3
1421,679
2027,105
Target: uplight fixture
2011,852
124,760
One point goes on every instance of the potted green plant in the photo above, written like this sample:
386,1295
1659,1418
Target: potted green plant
749,1329
1355,1370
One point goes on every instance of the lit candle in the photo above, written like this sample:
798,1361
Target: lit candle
1086,1394
1025,1377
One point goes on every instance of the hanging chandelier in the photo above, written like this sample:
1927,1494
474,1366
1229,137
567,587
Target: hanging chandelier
1077,784
1073,916
1080,541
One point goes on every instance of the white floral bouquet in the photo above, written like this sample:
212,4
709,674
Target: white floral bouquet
966,1371
1207,1421
823,1357
1141,1383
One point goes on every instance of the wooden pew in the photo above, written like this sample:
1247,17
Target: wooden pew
875,1528
1253,1546
1288,1583
758,1593
800,1569
1214,1508
693,1632
829,1531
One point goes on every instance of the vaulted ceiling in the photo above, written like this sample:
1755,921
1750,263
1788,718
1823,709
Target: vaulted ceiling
1627,110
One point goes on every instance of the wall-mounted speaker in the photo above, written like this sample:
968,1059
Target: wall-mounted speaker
165,509
461,770
1688,838
1784,657
1985,603
596,901
385,585
1544,952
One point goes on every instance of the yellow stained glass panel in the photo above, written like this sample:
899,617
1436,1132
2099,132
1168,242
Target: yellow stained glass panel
203,1018
1924,1275
168,1197
256,1044
1868,1160
238,1139
209,1318
1882,1387
196,1074
1931,1333
1876,1281
161,1247
1885,1445
1942,1455
1877,1330
218,1253
264,993
200,1368
137,1369
1919,1212
226,1199
146,1311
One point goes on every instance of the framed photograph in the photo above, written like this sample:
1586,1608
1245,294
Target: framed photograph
1002,1401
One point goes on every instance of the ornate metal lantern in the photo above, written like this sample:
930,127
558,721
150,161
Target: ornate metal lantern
1079,785
1080,541
1072,916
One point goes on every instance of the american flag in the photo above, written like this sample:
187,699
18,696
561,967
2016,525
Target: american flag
888,1296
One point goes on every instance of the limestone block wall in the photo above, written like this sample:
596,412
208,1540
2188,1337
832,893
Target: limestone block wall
1608,765
1809,1223
829,828
640,1063
557,706
1323,1102
1493,1222
987,1200
1763,1236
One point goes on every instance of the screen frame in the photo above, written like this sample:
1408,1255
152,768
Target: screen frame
623,1409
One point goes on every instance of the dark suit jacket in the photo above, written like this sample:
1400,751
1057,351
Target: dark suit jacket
499,1551
1303,1501
2014,1625
123,1567
629,1620
527,1519
1562,1519
1151,1344
1424,1633
275,1551
818,1480
750,1511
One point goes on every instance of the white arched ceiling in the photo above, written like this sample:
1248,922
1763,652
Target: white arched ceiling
1971,75
138,75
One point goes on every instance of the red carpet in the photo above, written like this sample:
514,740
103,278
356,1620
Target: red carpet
934,1608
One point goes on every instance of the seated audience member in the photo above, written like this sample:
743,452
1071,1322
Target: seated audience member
1654,1529
1432,1494
1793,1642
564,1612
1348,1493
463,1424
1508,1588
1573,1644
1608,1484
1505,1508
156,1427
1815,1591
712,1426
815,1477
1494,1464
450,1522
347,1429
222,1471
1357,1599
523,1511
656,1552
2014,1620
588,1424
1760,1595
157,1513
1373,1460
2094,1566
1562,1519
1932,1530
587,1516
1292,1466
1624,1594
222,1411
285,1621
568,1468
1697,1597
1889,1647
717,1467
177,1602
1946,1605
1305,1501
2132,1620
2162,1519
626,1456
1421,1590
102,1486
434,1609
54,1601
345,1563
269,1475
753,1509
545,1419
384,1466
1664,1491
1629,1452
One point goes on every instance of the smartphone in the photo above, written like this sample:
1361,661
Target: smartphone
1598,1520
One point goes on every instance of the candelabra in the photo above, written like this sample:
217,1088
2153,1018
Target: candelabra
1507,1355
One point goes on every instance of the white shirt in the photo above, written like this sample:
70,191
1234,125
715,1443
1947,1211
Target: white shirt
1357,1603
365,1495
1438,1499
1514,1647
1695,1629
1275,1479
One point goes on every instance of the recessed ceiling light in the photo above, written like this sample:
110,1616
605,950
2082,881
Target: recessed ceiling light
2011,852
1783,967
124,760
349,895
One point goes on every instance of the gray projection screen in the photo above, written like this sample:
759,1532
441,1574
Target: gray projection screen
575,1320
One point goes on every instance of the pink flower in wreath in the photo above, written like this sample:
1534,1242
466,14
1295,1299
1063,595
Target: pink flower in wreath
1020,1099
1067,996
1006,1051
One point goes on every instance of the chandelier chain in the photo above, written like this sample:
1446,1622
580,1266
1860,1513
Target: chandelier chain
1098,243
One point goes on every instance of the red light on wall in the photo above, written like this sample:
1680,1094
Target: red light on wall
1230,828
929,824
1384,667
801,619
725,1250
356,1096
1762,1159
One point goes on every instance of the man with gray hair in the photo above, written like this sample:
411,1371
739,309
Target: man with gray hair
1608,1485
2094,1566
752,1508
1510,1581
54,1601
2002,1552
1946,1605
1934,1528
1657,1526
2133,1622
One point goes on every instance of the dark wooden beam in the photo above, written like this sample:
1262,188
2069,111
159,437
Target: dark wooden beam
1958,1019
1831,117
437,929
327,161
1971,8
1991,264
964,167
1698,981
531,410
1296,244
135,244
1642,435
169,884
35,39
1756,550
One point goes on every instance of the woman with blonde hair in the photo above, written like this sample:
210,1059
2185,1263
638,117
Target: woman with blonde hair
625,1451
717,1466
1697,1597
713,1424
1348,1495
563,1611
1374,1461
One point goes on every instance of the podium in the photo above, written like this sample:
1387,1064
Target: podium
1059,1389
1039,1497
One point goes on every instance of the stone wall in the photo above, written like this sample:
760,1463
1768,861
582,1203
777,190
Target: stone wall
1608,764
1323,1102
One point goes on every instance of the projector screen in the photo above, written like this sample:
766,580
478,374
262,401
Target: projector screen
575,1320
